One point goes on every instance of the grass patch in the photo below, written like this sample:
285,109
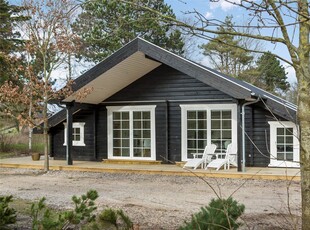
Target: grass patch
21,206
7,155
23,147
18,144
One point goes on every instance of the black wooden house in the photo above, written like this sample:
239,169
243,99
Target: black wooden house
149,104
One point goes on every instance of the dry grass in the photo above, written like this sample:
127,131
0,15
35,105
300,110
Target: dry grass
17,143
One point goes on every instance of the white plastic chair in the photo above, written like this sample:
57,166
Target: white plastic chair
209,151
230,159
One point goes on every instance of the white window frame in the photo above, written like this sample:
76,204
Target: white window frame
274,162
80,125
208,108
131,109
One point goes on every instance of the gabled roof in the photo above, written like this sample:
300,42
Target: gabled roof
139,57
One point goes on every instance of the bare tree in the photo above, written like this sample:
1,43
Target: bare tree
49,42
278,22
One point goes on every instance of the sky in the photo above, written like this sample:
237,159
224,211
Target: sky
219,10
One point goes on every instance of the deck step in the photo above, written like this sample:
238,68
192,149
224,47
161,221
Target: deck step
108,161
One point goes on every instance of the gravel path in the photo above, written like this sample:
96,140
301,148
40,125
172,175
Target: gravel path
158,202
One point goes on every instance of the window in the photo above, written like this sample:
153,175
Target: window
131,132
221,129
284,144
121,136
196,131
77,134
205,124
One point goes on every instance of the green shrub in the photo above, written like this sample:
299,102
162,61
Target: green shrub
7,214
219,214
116,218
44,218
111,219
84,208
108,215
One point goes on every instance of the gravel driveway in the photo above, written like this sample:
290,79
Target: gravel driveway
159,202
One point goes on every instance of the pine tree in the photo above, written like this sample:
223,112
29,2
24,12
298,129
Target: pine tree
107,25
224,54
10,41
272,73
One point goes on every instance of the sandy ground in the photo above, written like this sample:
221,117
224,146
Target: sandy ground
160,202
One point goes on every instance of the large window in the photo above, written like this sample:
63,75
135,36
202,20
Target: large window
284,144
131,132
205,124
77,134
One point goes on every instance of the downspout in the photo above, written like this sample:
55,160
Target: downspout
167,132
243,130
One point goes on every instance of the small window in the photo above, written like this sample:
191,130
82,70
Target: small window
284,144
77,134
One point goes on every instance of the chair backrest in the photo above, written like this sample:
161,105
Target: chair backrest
209,150
229,150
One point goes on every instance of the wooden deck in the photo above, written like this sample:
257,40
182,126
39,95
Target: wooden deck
160,169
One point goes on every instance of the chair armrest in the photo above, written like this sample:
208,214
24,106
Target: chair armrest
195,155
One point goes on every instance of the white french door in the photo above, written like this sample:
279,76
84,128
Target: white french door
203,124
131,132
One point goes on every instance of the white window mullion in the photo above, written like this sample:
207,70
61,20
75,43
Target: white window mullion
209,126
131,134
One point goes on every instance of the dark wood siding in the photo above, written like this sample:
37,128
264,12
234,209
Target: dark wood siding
164,87
101,133
165,83
258,129
168,88
78,152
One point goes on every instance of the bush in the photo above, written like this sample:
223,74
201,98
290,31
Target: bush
7,215
44,218
84,208
111,219
219,214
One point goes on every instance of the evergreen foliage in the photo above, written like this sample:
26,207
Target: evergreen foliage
223,51
106,25
84,208
7,214
229,55
42,217
10,41
111,219
219,214
272,73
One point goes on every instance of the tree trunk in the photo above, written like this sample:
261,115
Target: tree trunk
304,125
45,134
30,130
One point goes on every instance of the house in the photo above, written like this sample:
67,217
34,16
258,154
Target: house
148,104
